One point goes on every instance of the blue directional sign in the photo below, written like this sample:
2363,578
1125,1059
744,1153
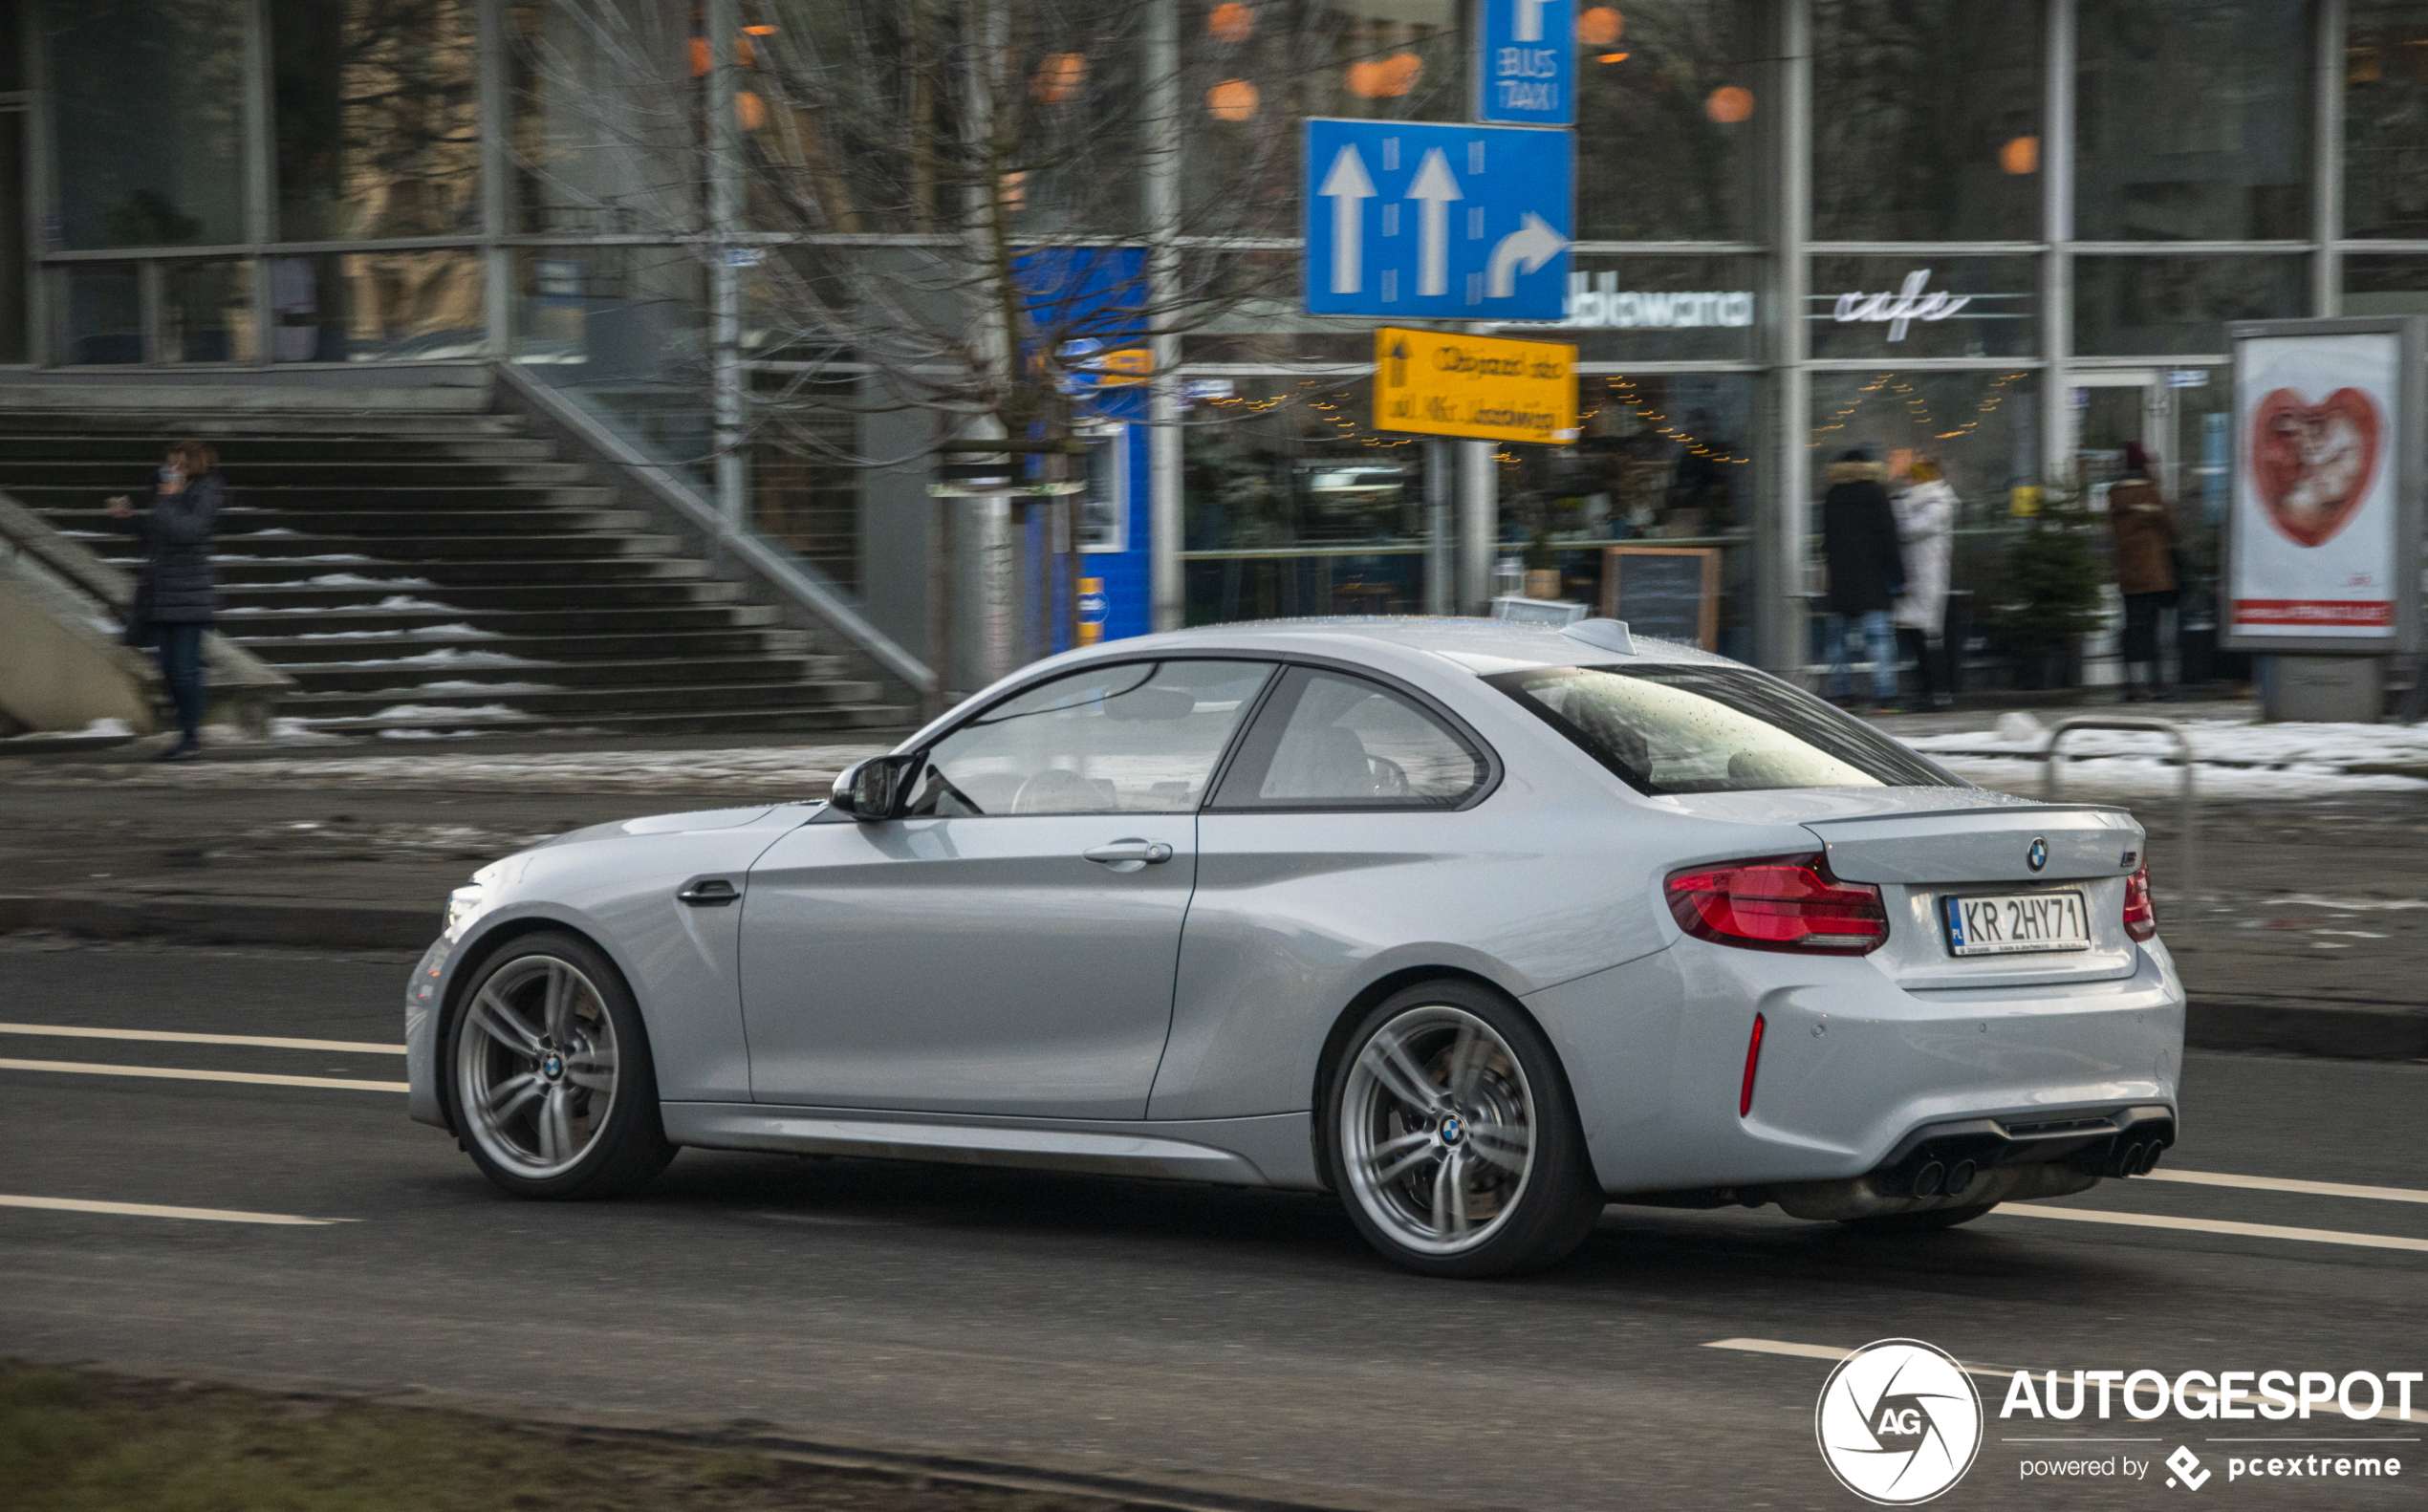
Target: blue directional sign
1526,66
1444,222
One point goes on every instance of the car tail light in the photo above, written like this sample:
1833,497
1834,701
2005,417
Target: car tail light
1779,902
1753,1062
2141,914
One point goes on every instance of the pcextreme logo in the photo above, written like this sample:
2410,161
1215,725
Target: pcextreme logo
1899,1422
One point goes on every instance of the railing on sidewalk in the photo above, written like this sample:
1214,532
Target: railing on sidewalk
2189,816
80,594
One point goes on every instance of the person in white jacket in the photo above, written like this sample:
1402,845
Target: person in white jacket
1926,534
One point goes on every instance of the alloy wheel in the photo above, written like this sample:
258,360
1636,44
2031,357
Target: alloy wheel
536,1066
1438,1130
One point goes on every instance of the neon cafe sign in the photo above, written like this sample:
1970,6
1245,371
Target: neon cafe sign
1900,309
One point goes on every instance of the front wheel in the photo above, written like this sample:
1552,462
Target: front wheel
1452,1138
548,1068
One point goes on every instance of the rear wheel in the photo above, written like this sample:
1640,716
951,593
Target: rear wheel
1928,1221
1452,1138
549,1075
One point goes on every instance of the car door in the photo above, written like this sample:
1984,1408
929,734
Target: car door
1344,826
1007,944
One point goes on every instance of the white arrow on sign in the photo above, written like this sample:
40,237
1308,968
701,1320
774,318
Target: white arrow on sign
1528,20
1349,189
1436,186
1523,250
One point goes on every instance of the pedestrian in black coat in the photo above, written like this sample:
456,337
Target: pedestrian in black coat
176,592
1866,574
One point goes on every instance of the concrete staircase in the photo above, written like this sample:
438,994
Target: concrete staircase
435,575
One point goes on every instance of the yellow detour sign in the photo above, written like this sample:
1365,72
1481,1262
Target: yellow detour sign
1441,383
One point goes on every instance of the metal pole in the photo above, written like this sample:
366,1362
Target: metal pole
1166,585
2058,224
1440,537
497,262
1779,568
2326,165
1479,525
722,20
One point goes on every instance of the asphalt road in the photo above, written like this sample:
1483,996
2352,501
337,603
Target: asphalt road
1168,1331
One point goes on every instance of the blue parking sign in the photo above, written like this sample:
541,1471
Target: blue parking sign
1418,221
1526,66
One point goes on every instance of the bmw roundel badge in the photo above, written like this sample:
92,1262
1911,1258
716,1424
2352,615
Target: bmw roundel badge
2038,855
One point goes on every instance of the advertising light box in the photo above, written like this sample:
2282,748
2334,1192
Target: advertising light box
2323,536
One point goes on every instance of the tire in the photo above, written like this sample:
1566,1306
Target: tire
1930,1220
1451,1136
547,1074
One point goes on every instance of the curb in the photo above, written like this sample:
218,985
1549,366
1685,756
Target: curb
2342,1032
212,921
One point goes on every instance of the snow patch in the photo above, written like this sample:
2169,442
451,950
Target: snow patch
431,714
461,685
358,580
448,657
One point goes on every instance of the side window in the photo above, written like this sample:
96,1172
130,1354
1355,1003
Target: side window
1136,737
1325,740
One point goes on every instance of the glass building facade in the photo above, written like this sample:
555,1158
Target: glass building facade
1769,193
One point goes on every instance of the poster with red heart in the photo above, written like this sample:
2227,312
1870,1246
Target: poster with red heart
2314,507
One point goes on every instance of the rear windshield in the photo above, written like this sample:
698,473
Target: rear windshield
1684,729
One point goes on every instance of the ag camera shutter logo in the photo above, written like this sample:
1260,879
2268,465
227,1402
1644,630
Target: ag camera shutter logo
1899,1421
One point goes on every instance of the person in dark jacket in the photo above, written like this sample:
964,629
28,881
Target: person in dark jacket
1867,574
2146,542
176,593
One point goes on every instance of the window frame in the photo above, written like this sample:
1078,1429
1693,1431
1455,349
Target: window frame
971,715
1506,683
1487,760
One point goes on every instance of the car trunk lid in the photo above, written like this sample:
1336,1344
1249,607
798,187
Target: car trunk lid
1925,846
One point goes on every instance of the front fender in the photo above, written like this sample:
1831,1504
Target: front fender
617,889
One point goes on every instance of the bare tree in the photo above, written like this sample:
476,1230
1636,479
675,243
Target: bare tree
952,205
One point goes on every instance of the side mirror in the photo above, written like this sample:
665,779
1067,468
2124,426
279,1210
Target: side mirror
872,790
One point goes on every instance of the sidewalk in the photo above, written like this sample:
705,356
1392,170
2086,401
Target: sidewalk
2308,931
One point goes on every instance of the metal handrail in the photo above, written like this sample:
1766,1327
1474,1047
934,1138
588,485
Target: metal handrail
2190,814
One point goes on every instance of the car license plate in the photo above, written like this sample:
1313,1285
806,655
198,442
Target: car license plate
2014,924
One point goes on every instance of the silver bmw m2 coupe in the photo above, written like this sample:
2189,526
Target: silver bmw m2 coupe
1479,926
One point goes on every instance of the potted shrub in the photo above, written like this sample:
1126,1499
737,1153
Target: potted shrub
2053,590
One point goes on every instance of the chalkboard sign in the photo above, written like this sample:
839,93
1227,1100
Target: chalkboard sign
1671,592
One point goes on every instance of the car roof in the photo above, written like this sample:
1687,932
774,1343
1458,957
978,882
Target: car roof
1480,646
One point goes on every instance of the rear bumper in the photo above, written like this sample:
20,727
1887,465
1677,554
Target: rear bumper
1974,1160
1856,1077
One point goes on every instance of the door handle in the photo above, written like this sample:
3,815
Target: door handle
1128,855
712,892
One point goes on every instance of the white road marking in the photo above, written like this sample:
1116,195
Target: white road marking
1823,1352
2212,1225
181,1074
73,1031
212,1215
2271,1183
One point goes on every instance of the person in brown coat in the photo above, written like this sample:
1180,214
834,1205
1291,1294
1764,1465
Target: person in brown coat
2145,544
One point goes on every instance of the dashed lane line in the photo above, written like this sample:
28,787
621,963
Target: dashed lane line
264,1041
2211,1225
208,1215
181,1074
2272,1183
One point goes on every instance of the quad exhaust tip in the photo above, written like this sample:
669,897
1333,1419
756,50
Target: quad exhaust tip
1960,1175
1926,1181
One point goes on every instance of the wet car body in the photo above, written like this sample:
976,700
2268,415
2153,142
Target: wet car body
976,986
